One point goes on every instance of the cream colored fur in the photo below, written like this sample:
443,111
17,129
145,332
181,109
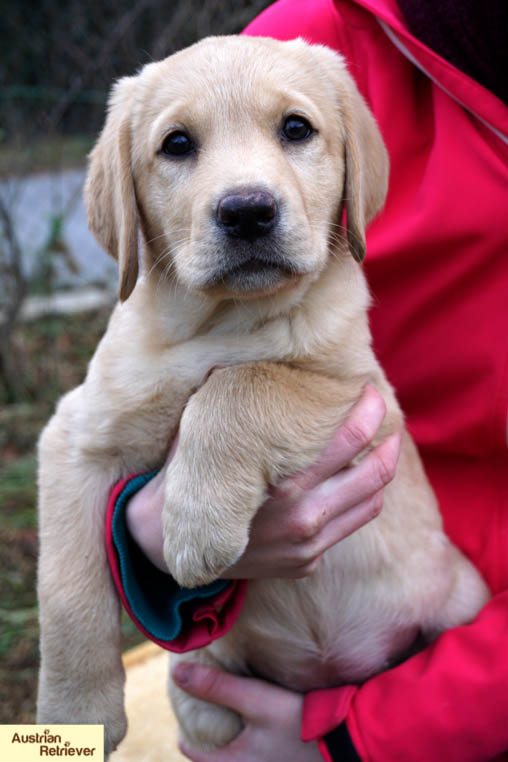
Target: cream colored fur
296,354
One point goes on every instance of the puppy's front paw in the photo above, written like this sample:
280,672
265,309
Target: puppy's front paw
200,539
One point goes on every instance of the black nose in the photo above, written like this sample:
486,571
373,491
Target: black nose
247,214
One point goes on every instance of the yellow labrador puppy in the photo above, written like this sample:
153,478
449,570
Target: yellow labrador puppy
228,165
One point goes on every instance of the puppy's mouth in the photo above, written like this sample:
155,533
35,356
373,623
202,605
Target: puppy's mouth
254,274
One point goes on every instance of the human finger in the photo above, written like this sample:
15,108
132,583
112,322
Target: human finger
334,498
289,542
247,696
307,556
352,436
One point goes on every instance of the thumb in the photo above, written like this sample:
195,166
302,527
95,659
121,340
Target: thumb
248,696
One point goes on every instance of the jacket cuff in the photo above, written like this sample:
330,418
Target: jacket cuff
177,619
324,710
323,719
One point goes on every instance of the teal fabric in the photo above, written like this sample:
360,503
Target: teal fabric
154,597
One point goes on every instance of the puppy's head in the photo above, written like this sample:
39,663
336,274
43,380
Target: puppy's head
235,157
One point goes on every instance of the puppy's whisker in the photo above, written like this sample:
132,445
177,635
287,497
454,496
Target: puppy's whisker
168,254
155,238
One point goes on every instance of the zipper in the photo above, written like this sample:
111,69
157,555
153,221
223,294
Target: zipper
403,49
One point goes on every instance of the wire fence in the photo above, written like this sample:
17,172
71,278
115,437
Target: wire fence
59,58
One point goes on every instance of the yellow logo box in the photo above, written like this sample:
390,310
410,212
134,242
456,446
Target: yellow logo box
28,743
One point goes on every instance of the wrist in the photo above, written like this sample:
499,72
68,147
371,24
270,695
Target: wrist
144,520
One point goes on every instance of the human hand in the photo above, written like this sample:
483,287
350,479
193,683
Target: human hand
271,716
305,514
308,513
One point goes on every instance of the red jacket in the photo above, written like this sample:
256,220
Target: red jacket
437,264
438,270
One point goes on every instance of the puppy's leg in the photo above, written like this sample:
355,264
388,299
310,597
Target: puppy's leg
81,675
203,724
468,594
247,427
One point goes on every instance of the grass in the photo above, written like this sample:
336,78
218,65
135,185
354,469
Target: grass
56,351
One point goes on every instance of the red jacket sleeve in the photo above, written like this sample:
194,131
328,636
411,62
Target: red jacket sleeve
449,702
152,598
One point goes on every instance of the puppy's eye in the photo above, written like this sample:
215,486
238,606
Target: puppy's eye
296,128
177,143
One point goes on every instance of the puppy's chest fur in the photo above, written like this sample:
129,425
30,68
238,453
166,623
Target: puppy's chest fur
148,365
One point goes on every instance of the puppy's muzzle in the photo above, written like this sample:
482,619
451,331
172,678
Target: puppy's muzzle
247,214
252,252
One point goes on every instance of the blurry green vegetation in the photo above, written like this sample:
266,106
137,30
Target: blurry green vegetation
18,493
57,350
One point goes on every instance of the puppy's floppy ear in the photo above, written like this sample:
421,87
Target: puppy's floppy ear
366,158
367,167
110,198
